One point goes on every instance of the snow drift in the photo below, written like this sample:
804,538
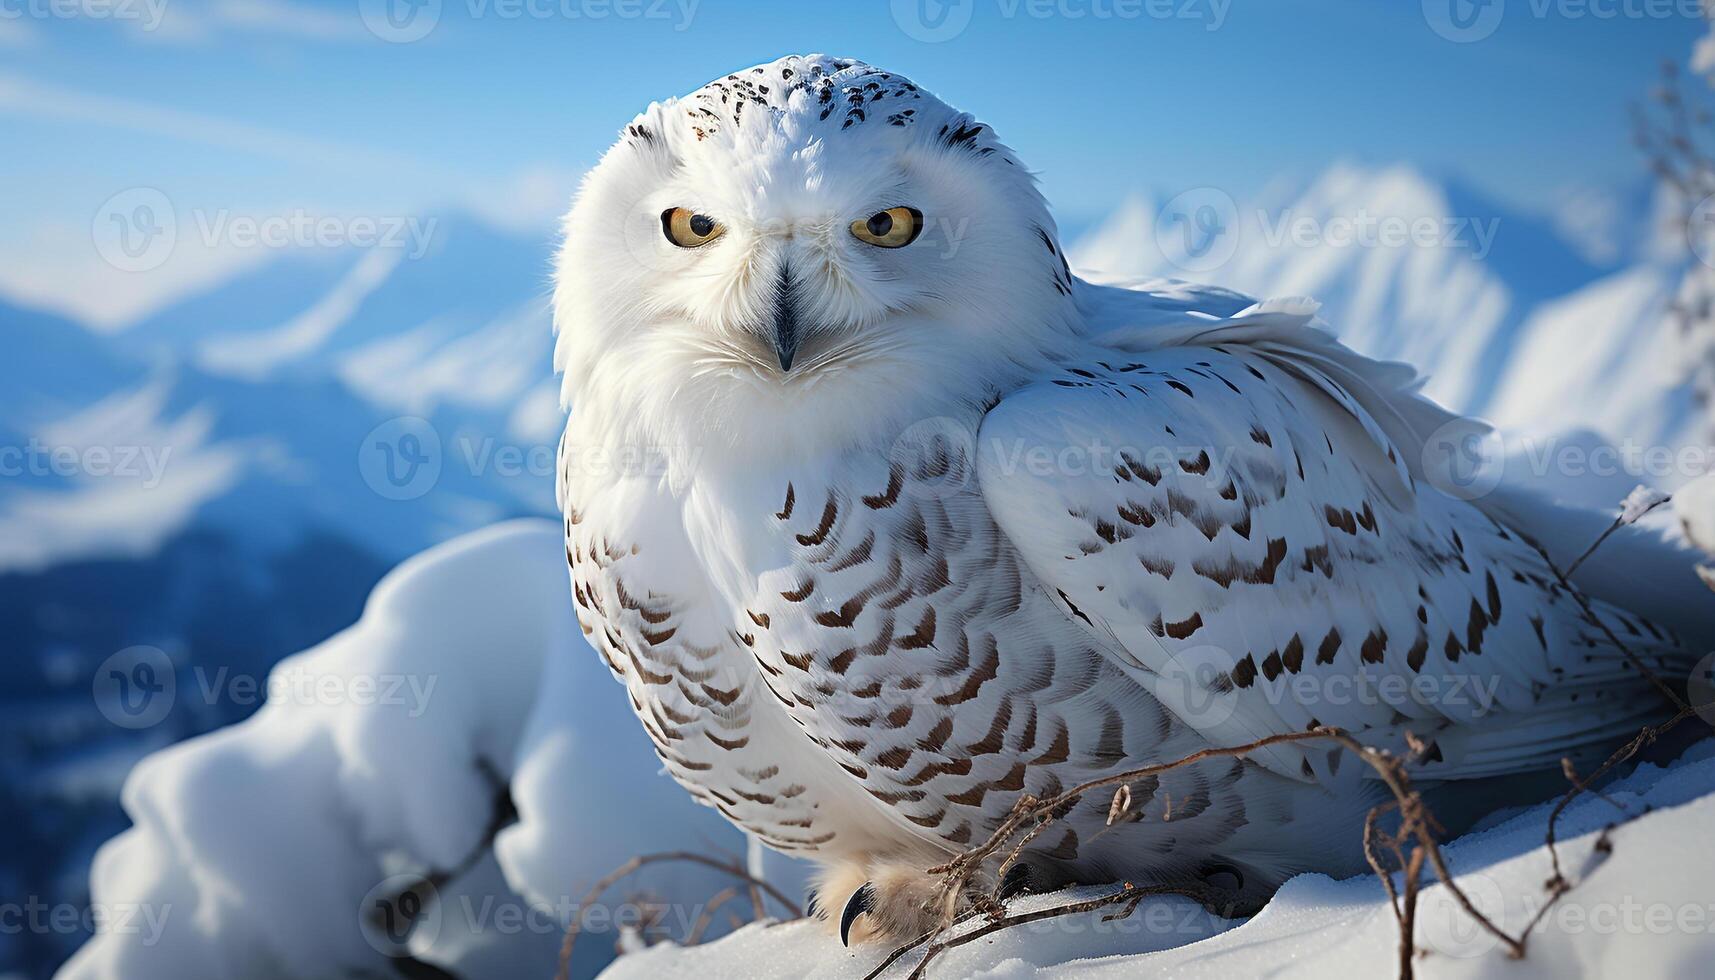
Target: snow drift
382,759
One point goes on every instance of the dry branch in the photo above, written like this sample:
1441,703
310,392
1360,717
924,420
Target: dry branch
730,867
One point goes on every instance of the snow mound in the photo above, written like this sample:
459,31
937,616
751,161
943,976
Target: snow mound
1643,910
283,846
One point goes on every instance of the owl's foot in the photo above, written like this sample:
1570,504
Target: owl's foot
899,901
875,901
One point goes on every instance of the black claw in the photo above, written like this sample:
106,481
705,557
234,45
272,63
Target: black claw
857,905
1016,881
1224,877
812,903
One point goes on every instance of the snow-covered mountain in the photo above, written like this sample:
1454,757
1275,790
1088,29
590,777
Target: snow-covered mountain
463,325
1542,321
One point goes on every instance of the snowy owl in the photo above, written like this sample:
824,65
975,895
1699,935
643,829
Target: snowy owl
884,518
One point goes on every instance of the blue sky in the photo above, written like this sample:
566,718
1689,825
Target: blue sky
261,106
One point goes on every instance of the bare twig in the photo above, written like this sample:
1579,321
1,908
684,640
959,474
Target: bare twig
1128,893
730,867
707,916
1619,522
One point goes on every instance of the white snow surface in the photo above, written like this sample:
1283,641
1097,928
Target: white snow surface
261,850
1645,910
379,754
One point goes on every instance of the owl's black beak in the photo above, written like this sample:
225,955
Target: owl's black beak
785,339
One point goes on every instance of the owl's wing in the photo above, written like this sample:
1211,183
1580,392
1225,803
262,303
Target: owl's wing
1237,518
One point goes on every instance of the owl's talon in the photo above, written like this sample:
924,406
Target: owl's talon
858,904
812,903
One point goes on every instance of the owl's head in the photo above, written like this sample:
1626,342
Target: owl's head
800,253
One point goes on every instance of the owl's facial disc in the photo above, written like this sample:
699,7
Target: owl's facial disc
782,321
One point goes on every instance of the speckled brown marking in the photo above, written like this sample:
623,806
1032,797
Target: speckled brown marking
844,617
1157,565
1374,649
1272,665
1367,518
887,498
1419,649
1146,473
1477,623
1244,672
987,670
1293,656
732,745
1340,519
1184,629
1330,646
921,637
829,513
1316,558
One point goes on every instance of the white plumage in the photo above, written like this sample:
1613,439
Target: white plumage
884,518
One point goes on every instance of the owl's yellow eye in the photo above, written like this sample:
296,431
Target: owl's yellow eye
687,229
893,228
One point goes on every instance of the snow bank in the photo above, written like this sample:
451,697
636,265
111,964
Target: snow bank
285,846
1646,910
